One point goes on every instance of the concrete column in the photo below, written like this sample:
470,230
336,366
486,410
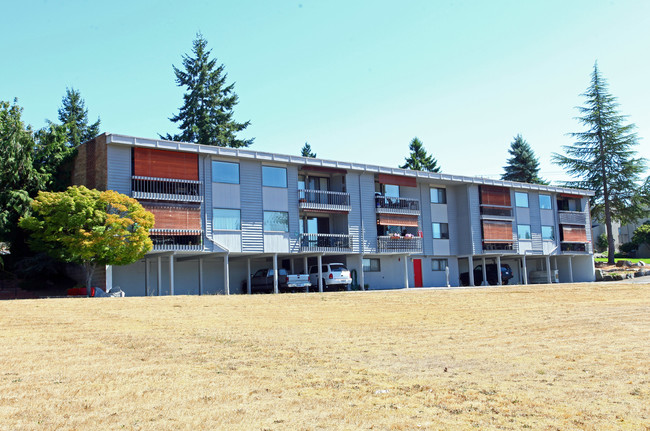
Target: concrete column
147,282
171,274
447,275
109,278
305,269
523,259
200,276
275,273
406,272
499,279
248,276
548,269
319,262
362,276
484,270
159,275
470,262
293,267
570,269
226,274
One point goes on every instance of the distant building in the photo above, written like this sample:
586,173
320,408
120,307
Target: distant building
223,213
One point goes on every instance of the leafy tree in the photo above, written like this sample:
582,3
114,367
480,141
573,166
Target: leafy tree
89,227
641,234
419,160
18,178
603,159
306,151
206,116
601,242
54,157
73,115
523,166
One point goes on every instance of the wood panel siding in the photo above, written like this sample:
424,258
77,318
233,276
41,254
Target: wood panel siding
397,180
149,162
397,220
574,233
497,231
493,195
173,217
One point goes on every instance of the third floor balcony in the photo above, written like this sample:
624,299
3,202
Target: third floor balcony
323,200
395,205
166,189
572,217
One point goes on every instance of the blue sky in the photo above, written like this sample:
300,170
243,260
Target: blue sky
357,80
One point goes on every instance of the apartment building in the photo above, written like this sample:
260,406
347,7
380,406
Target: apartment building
223,213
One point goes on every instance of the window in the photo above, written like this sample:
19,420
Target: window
223,219
521,199
438,196
523,231
274,177
438,264
391,191
545,202
440,231
371,265
548,232
277,221
225,172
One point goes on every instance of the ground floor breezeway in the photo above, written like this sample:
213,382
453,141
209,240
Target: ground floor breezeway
185,273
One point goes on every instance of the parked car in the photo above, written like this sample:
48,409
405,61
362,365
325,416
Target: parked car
335,275
490,274
262,281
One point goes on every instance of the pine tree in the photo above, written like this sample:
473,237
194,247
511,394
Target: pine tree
206,116
523,166
306,151
419,160
603,159
73,115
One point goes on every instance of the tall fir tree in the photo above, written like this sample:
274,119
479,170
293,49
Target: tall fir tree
306,151
603,159
73,115
419,160
206,116
523,166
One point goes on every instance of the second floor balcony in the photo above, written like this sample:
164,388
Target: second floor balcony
572,217
176,239
324,200
395,205
325,242
399,244
166,189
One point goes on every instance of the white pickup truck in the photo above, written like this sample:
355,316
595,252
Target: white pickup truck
262,281
335,275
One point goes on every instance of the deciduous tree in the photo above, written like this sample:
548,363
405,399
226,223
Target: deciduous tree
523,166
603,159
419,160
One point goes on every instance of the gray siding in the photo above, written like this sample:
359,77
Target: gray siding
453,220
535,222
464,227
252,215
206,208
367,186
119,169
475,219
354,217
425,220
294,216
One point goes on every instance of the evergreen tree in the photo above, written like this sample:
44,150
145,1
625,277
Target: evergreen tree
306,151
603,159
73,115
419,160
206,116
523,166
54,157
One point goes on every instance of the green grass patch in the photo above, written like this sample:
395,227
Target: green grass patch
604,259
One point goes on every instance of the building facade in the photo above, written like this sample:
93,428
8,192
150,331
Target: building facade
223,213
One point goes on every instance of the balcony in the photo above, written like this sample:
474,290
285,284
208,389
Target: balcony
496,212
322,200
499,247
325,242
394,205
401,244
176,239
166,189
572,217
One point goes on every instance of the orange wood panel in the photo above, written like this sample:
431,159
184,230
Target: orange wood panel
168,217
149,162
574,234
493,195
397,180
497,231
397,220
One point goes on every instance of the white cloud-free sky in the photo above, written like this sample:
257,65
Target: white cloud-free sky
357,80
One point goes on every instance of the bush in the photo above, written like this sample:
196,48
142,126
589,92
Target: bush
627,247
601,243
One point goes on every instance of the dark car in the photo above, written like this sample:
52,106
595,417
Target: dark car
490,274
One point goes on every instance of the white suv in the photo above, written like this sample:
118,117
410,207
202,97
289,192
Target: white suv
334,275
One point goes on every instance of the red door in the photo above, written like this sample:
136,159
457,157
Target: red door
417,272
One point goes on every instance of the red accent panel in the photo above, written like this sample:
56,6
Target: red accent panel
148,162
397,180
492,195
497,231
574,234
175,217
397,220
417,272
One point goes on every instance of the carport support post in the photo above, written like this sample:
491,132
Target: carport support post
159,275
305,270
548,269
248,276
275,273
226,274
570,269
523,260
293,268
470,262
484,270
200,276
171,274
362,280
319,262
406,272
147,268
499,279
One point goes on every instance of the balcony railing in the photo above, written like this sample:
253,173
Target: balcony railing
176,239
324,200
573,247
325,242
166,189
394,205
572,217
402,244
499,246
496,211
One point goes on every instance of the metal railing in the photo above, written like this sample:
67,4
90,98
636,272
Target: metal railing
176,239
496,211
499,246
394,205
323,199
167,189
325,242
392,244
572,217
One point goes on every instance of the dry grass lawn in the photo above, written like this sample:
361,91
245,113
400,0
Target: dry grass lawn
538,357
